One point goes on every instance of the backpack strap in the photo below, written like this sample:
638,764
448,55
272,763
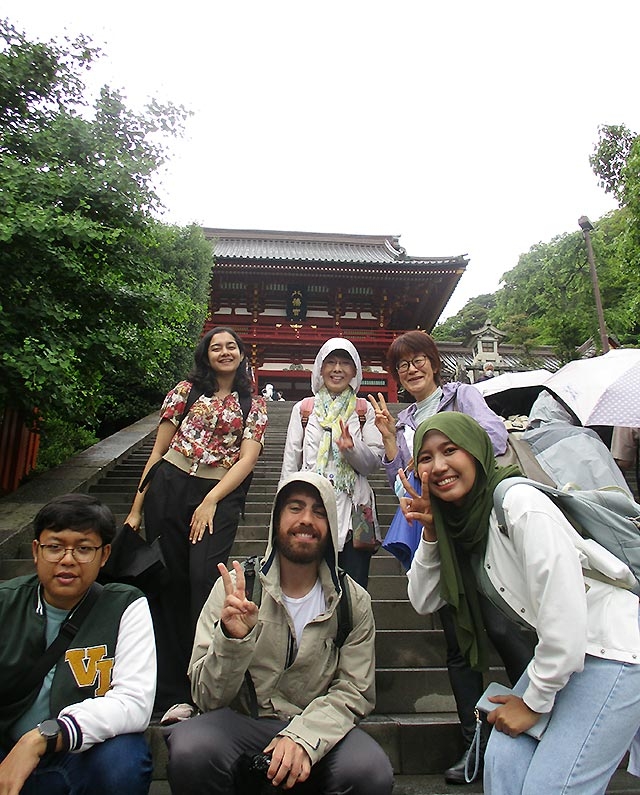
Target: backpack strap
194,394
361,409
345,616
34,676
306,407
504,486
250,568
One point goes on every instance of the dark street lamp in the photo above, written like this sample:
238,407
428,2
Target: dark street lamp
587,227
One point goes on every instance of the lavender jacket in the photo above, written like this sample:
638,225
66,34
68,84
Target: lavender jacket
455,397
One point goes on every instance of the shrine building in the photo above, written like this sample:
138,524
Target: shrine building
286,293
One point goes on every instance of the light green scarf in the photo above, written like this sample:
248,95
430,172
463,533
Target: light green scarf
330,410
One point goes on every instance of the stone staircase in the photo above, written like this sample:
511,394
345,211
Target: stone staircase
415,709
415,718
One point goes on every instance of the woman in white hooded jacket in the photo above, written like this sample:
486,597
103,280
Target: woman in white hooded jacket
339,443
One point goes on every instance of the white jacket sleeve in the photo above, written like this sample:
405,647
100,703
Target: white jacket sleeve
424,578
551,570
125,708
292,457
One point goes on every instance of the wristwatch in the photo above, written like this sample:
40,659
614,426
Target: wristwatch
50,730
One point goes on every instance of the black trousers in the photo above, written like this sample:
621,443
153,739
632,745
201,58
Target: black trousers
172,497
514,644
204,753
355,562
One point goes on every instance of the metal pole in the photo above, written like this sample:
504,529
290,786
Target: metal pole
586,227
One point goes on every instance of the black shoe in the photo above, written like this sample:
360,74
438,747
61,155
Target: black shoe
455,774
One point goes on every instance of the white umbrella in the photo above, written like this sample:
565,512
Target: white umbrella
500,383
604,390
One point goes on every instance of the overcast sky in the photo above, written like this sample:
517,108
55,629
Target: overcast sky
464,127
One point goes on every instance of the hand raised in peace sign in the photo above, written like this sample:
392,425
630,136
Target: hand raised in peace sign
417,507
384,421
239,615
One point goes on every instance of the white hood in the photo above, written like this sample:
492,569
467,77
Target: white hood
336,344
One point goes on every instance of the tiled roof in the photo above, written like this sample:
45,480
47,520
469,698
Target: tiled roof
317,247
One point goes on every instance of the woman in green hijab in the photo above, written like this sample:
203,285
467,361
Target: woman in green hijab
586,666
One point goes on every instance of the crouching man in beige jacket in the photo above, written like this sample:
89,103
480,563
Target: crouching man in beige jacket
280,678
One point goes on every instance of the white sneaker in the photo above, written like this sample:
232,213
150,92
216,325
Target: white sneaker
177,713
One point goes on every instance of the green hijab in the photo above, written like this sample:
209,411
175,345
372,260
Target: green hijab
462,529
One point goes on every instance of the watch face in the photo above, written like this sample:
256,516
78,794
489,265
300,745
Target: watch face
50,729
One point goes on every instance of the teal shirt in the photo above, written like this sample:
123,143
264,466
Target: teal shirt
40,708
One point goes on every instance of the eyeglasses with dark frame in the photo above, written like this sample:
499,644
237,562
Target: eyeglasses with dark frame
418,362
53,553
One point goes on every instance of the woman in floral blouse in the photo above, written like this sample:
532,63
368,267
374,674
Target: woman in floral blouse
193,489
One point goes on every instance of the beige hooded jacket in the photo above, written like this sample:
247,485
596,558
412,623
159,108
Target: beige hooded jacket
321,690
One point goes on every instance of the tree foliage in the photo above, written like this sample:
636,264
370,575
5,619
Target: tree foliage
99,301
470,318
547,298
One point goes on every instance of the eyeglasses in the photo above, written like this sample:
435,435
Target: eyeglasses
405,364
53,553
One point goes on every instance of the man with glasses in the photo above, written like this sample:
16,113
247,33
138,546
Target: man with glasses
76,723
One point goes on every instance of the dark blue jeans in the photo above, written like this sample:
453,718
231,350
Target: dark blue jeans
120,765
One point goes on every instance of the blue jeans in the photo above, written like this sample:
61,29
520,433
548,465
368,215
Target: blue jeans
120,765
595,717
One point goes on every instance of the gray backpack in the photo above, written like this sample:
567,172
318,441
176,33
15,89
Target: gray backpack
607,516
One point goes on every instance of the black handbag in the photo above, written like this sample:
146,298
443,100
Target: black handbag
135,562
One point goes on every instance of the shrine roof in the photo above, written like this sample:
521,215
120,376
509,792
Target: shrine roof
253,244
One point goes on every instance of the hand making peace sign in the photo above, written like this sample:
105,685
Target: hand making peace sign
417,507
239,615
385,421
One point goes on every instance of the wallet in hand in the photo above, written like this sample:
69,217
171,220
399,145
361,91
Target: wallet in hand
496,689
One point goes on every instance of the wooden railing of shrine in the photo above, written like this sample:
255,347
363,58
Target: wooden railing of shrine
287,333
19,443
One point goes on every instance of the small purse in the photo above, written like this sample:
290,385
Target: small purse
363,528
485,706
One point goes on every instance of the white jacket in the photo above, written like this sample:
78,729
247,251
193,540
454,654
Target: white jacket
301,446
541,570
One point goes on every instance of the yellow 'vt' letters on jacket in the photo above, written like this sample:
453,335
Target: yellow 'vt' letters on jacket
91,666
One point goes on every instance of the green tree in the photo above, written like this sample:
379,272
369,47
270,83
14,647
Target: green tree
610,156
551,288
470,318
99,301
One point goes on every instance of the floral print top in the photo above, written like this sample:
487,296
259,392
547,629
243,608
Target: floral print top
213,430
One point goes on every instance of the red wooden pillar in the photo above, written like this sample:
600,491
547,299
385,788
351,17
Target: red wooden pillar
392,387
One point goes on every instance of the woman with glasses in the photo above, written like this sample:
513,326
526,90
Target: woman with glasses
414,360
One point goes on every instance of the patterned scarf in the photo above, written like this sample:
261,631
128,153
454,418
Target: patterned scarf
330,410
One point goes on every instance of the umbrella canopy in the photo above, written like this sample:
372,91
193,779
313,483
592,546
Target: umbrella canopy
512,381
604,390
513,393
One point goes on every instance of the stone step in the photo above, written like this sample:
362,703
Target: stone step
621,784
420,749
403,737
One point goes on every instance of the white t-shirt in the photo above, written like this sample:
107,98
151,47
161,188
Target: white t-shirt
305,608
